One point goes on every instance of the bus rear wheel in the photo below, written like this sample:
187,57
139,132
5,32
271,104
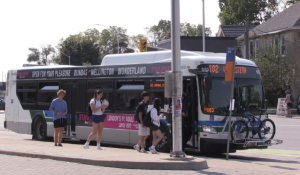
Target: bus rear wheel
40,132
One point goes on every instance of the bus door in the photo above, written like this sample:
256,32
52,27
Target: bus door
71,88
190,89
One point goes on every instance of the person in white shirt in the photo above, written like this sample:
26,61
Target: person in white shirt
97,119
155,118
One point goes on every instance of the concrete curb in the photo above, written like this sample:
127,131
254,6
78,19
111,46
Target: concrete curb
176,164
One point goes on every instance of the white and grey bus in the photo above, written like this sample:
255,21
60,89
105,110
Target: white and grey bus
122,78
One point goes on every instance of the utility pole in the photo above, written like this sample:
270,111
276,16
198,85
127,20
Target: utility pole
203,27
247,40
176,80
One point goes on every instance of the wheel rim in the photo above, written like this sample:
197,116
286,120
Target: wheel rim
267,130
40,130
239,131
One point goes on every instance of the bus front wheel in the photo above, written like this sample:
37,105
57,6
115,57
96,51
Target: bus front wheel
40,132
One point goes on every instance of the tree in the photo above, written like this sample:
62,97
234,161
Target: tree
194,30
109,41
236,12
162,31
277,6
134,42
89,47
83,48
276,73
41,57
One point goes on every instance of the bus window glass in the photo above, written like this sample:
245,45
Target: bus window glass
130,85
127,101
27,97
99,85
250,95
159,95
106,95
48,91
216,100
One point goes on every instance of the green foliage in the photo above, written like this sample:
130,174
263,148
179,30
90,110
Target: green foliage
86,64
134,42
236,12
41,57
82,48
162,30
276,73
109,41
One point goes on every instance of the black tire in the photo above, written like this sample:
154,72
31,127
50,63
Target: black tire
265,129
239,131
40,132
165,144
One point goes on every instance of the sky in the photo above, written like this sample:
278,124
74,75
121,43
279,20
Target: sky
35,23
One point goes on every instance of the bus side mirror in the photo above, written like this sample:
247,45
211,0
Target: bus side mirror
207,82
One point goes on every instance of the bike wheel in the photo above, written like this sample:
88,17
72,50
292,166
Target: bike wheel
266,129
239,130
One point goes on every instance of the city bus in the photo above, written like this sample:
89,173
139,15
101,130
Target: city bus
122,78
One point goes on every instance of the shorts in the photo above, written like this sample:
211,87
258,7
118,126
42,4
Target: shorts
97,118
289,105
60,123
143,131
153,127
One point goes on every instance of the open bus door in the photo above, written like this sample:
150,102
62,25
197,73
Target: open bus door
71,88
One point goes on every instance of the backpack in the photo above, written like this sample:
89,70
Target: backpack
148,120
291,98
88,110
136,115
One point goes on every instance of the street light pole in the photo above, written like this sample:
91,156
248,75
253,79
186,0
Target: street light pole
114,32
203,27
67,56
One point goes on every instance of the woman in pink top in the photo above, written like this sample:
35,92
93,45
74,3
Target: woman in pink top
289,103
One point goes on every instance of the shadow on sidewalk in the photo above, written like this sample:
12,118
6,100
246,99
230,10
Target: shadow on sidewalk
246,158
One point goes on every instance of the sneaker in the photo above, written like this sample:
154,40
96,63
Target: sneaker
143,151
55,144
86,146
99,148
137,147
189,143
152,150
60,145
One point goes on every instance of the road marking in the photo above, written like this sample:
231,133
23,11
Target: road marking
278,152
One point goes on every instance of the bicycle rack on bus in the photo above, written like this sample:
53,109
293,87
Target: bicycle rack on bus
248,143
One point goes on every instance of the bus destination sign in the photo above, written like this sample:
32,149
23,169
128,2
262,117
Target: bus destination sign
218,70
95,71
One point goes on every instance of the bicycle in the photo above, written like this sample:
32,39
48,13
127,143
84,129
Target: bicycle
240,129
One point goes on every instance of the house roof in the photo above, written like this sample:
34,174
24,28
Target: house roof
233,30
288,19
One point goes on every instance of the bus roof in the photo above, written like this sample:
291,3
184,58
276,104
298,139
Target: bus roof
165,56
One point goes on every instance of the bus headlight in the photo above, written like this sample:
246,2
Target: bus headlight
209,129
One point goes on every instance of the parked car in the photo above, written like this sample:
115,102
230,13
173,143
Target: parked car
2,104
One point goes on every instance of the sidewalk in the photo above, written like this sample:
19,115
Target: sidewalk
110,157
242,162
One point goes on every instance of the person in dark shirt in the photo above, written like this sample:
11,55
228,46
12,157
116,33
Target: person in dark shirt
143,131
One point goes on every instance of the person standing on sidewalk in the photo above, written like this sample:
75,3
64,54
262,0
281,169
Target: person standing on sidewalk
289,104
97,119
141,110
155,118
60,109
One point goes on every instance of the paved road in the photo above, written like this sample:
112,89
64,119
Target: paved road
288,130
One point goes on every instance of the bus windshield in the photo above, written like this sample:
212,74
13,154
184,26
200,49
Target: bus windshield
247,94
